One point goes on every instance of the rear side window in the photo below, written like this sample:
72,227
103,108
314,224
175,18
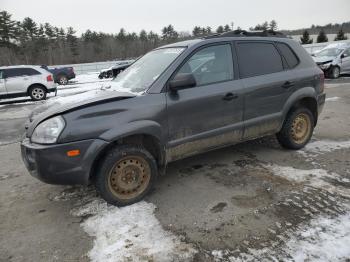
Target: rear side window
258,59
15,72
288,54
30,72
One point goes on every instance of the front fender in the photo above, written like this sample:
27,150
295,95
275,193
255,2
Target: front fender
144,127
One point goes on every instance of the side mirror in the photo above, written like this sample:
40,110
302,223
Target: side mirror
182,81
343,55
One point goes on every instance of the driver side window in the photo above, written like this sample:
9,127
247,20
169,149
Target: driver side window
210,65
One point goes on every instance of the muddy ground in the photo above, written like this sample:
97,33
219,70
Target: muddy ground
244,202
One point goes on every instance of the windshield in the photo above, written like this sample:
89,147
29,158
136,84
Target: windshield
330,52
142,74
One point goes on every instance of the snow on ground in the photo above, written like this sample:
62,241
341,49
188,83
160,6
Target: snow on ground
88,77
318,147
324,239
130,233
321,239
332,99
318,178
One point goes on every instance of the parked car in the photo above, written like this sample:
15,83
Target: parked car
115,70
26,80
334,59
61,74
176,101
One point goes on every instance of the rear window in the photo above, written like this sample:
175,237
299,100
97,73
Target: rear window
258,59
288,54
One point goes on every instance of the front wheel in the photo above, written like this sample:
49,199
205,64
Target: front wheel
37,93
126,175
334,72
297,129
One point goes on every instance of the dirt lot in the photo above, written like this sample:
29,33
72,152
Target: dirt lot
247,202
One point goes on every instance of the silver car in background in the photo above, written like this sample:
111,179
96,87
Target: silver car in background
26,80
334,59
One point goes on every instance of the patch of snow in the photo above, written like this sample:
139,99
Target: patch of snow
332,99
323,146
324,239
318,178
130,233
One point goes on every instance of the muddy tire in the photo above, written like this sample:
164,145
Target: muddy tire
334,72
297,129
37,93
126,175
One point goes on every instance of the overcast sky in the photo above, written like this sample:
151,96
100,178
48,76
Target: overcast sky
133,15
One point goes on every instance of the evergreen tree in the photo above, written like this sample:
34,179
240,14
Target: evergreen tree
260,27
340,36
227,28
220,29
208,30
169,34
273,25
305,39
322,37
8,30
72,41
196,31
29,28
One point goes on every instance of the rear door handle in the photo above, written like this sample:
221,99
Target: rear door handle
230,96
288,84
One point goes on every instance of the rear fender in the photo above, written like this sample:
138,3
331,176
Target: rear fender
305,92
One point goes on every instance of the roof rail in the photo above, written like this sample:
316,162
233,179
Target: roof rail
244,33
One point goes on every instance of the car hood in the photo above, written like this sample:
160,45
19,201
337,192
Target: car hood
323,59
59,105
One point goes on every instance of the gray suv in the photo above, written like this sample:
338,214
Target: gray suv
176,101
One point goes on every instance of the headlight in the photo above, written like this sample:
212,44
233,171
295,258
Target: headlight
48,131
325,66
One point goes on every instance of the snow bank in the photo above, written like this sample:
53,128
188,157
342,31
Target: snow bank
130,233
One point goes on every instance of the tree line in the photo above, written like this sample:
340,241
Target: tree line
321,37
27,42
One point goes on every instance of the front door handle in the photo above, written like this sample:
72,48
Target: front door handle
230,96
288,84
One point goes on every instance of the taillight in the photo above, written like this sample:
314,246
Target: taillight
49,78
322,82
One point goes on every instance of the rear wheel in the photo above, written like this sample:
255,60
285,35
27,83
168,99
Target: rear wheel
62,80
334,72
297,129
126,175
37,93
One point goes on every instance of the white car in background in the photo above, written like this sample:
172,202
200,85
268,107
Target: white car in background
334,59
26,80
